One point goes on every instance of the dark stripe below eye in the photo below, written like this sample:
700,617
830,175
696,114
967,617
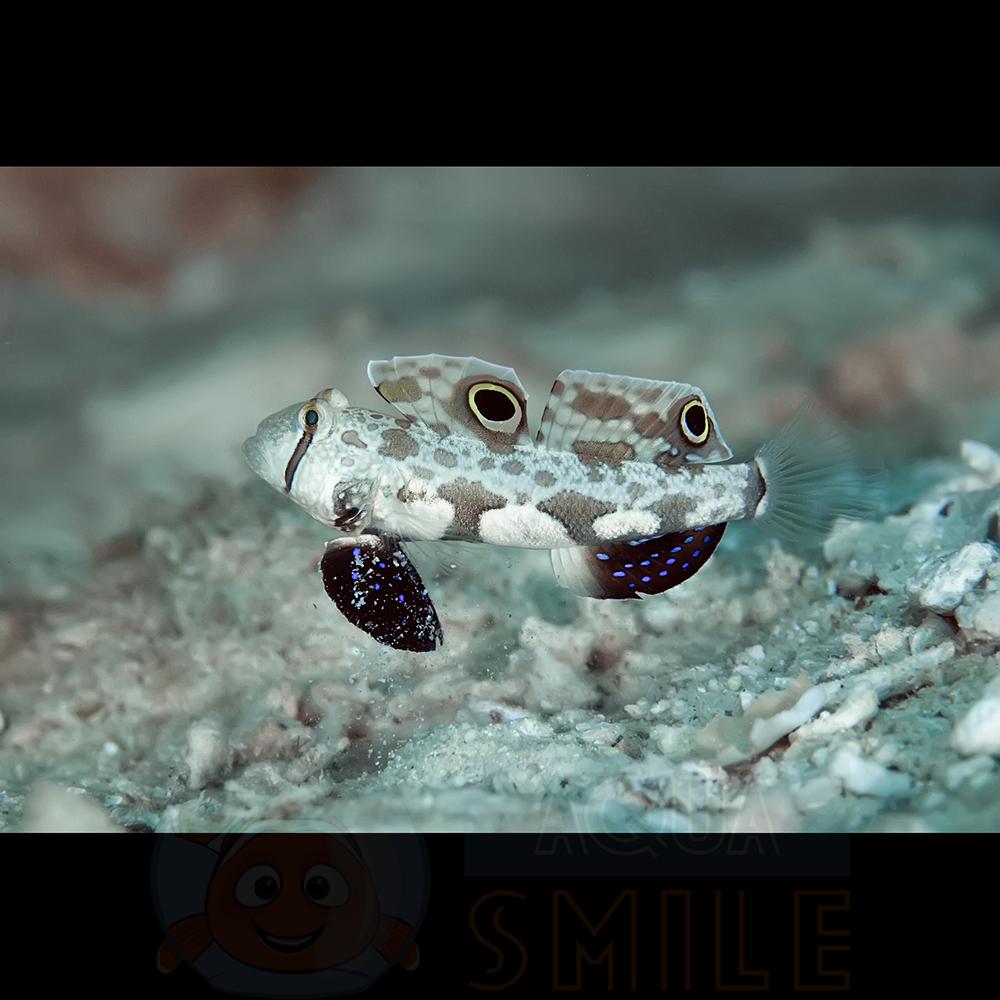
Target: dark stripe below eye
293,463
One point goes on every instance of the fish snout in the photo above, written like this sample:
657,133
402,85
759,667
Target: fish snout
251,452
258,452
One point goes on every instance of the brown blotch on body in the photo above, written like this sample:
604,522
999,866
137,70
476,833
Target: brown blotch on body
576,513
545,478
445,458
442,430
428,371
558,387
351,438
673,512
487,463
513,467
405,422
403,390
601,405
609,452
470,501
398,444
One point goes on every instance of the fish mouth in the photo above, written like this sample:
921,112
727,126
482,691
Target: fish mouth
255,455
288,944
251,451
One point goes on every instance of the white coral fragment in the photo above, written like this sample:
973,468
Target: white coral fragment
941,583
978,731
765,721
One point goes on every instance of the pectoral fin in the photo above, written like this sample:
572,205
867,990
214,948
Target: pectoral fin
376,587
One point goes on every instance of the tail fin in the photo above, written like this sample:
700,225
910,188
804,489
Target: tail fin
812,476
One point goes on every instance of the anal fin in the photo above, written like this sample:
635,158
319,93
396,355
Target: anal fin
631,569
376,587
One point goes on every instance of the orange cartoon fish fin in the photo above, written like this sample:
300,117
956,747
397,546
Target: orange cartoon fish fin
187,938
390,938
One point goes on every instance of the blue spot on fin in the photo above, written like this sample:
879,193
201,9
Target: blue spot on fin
379,590
650,565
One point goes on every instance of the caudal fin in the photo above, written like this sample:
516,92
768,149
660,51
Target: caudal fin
813,475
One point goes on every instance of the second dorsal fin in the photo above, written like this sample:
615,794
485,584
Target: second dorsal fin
614,418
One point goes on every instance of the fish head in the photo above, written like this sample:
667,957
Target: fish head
297,903
296,449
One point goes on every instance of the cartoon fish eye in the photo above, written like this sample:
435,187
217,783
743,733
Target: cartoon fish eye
325,886
257,886
309,417
694,422
495,407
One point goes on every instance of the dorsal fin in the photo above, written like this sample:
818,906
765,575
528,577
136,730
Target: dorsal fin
611,418
376,587
454,395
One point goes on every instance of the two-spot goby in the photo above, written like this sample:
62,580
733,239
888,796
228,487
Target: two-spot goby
624,481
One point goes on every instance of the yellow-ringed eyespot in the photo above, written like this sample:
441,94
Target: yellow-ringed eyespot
495,407
310,417
694,422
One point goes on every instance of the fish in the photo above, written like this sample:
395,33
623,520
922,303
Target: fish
628,481
284,903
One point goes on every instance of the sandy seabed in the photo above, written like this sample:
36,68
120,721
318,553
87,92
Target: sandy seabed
169,659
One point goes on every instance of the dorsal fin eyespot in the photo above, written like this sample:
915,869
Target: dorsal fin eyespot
495,406
456,395
694,421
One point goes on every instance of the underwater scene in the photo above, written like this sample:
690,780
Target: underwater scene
477,499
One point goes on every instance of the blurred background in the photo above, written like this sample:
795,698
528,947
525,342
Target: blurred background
149,317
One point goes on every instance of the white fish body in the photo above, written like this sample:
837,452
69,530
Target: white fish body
621,481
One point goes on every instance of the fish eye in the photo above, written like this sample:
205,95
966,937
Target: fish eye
257,886
694,422
325,886
494,406
310,417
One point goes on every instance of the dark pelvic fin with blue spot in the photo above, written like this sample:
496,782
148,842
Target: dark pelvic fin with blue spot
377,588
631,569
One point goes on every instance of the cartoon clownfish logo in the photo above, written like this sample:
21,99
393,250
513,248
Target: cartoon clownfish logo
285,904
